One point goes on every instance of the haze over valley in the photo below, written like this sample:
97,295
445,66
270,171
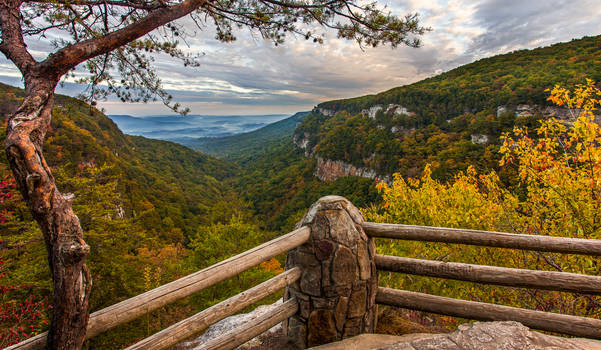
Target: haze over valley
178,127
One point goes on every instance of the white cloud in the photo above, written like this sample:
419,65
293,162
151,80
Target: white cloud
251,76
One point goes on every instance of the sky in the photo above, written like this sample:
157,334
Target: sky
251,76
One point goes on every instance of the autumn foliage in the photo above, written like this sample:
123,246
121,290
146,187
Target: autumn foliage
7,189
557,193
23,312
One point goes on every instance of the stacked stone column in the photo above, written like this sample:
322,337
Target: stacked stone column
338,285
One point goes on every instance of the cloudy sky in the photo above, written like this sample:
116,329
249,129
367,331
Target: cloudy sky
251,76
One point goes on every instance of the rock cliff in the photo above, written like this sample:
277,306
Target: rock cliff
325,111
328,170
565,115
479,139
391,109
303,143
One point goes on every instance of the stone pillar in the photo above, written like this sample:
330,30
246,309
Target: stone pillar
338,285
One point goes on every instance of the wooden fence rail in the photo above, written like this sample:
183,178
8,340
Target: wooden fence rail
485,238
202,320
251,329
546,321
549,280
130,309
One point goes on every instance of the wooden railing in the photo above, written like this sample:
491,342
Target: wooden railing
331,283
130,309
559,281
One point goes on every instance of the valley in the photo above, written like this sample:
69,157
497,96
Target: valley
431,153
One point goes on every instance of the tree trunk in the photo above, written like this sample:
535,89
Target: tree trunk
62,232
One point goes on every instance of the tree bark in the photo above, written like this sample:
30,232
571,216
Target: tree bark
62,232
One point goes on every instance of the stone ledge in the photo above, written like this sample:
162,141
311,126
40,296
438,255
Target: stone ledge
506,335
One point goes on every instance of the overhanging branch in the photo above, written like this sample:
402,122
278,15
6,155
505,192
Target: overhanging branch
70,56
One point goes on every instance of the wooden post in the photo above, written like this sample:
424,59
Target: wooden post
337,289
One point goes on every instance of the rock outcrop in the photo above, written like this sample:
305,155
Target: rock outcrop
505,335
372,111
325,111
565,115
391,109
303,143
399,110
479,139
328,170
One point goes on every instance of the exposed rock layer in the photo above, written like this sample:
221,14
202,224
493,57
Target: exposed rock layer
328,170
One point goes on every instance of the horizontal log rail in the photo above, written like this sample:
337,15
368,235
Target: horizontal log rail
130,309
251,329
485,238
546,321
549,280
202,320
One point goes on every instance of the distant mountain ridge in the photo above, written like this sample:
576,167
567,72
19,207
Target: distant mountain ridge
174,127
518,77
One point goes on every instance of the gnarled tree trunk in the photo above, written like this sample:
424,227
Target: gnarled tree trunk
52,210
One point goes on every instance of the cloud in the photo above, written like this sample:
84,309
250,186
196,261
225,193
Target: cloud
515,24
251,76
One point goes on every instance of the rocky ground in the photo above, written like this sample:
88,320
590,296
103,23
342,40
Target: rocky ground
272,339
507,335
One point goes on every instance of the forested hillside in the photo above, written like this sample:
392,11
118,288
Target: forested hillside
280,184
518,77
275,177
449,121
452,119
151,211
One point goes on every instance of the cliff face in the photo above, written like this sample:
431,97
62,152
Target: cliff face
303,143
391,109
565,115
326,112
328,170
